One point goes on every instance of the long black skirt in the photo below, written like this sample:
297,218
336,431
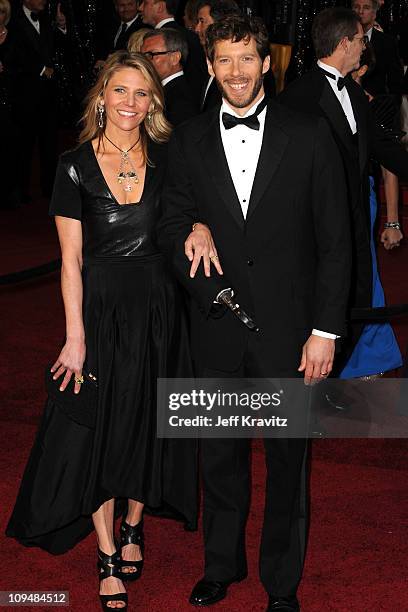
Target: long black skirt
135,332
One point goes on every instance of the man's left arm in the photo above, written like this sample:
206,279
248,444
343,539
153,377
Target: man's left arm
332,237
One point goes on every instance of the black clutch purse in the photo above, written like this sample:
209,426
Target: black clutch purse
79,407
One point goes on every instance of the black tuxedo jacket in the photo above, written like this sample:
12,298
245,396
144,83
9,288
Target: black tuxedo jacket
312,94
195,68
179,101
388,73
105,41
29,51
211,99
288,262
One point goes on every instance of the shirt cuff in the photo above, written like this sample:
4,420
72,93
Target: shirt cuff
43,70
322,334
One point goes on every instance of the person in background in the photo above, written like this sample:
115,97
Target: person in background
116,36
167,50
190,14
385,79
377,350
8,152
29,61
135,42
326,91
161,14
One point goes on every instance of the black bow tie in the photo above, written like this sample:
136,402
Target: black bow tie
34,16
341,81
252,121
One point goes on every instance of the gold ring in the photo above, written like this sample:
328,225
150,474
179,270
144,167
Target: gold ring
79,380
214,257
323,373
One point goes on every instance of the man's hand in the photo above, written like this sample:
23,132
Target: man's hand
48,72
317,359
200,244
391,237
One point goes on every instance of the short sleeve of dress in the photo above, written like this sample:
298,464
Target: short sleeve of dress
66,200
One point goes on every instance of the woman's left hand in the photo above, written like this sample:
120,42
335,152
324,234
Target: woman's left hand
391,237
200,245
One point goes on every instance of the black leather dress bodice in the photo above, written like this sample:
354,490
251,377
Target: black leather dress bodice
109,229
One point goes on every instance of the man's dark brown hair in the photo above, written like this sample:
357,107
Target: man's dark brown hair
237,28
330,27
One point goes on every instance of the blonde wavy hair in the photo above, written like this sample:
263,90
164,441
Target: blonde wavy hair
154,126
135,41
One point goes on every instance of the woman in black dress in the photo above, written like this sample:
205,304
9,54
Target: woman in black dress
124,328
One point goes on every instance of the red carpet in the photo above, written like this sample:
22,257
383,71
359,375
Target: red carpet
358,543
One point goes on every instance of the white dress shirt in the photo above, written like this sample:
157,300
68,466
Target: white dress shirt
172,77
163,22
128,24
242,147
342,96
369,33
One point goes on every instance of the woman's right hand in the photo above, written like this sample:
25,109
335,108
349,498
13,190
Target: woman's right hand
70,361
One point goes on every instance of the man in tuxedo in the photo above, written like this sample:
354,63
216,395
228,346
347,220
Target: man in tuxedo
115,36
30,64
285,251
388,73
167,50
327,91
160,14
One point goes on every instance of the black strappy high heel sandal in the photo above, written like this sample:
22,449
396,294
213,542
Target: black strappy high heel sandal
110,566
131,535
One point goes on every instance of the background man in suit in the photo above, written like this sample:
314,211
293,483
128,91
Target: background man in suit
160,14
285,251
30,64
388,73
115,35
338,40
209,11
167,50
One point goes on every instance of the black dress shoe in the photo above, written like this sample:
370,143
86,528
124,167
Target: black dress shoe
208,592
283,604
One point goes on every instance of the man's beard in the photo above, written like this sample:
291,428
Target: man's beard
245,101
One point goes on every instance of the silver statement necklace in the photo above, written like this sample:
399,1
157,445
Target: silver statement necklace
127,176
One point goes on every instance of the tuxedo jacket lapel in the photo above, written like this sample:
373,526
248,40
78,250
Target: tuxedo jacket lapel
212,153
273,147
361,121
332,108
30,30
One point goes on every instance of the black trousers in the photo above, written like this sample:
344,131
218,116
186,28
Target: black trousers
225,465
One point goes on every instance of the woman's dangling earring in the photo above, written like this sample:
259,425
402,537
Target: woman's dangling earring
101,111
149,117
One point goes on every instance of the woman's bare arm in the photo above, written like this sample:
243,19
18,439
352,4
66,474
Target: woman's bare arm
72,356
